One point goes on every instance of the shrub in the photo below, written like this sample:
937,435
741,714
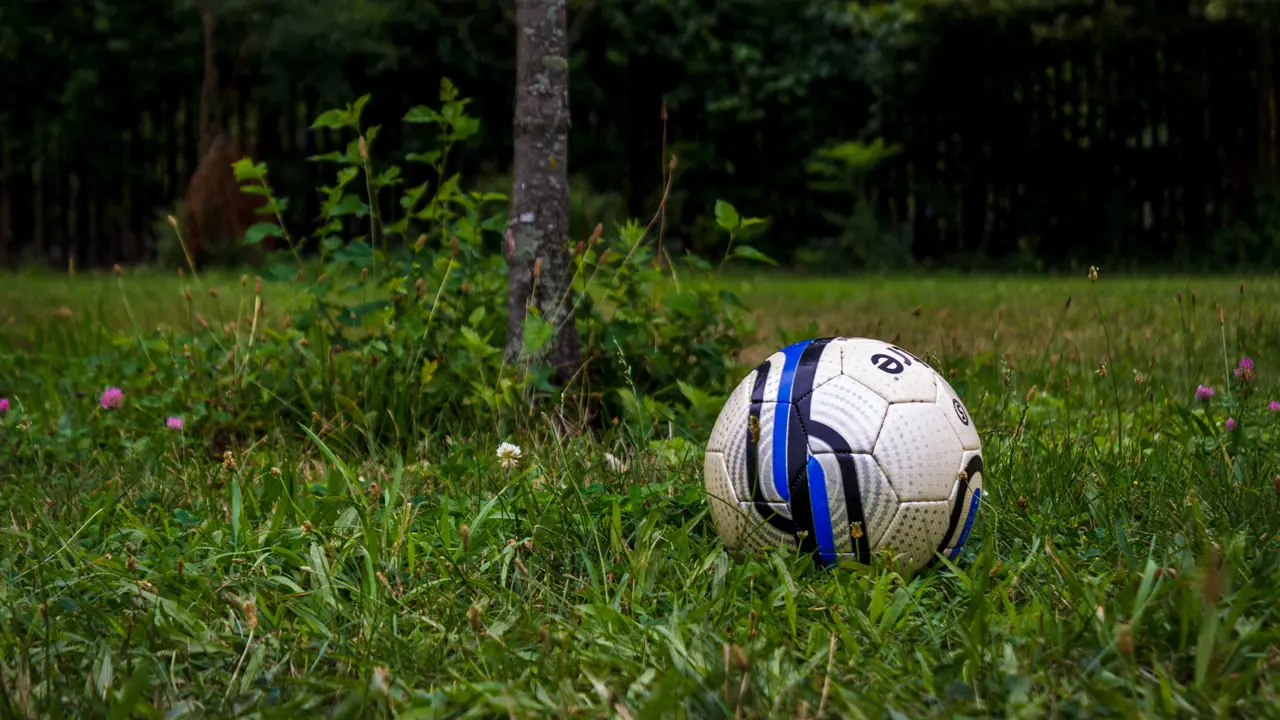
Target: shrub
401,328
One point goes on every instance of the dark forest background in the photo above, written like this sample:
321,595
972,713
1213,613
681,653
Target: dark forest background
1023,134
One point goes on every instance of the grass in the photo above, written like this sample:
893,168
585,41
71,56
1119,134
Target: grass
1124,563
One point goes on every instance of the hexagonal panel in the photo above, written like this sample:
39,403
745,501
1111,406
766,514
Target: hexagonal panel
781,452
916,531
958,415
851,411
739,524
730,429
918,451
726,513
829,363
890,372
827,502
879,501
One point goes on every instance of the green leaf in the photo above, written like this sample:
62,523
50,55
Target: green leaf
357,107
682,303
350,205
246,169
430,158
331,119
428,372
750,253
257,232
235,513
727,217
422,114
464,127
537,333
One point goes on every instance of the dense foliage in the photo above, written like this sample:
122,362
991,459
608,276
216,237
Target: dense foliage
395,331
1140,108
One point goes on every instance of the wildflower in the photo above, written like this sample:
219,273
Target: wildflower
112,397
1245,370
1231,424
1203,393
1273,407
173,422
4,406
615,464
508,455
1124,639
250,610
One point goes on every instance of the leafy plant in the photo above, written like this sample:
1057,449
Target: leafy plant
400,330
844,169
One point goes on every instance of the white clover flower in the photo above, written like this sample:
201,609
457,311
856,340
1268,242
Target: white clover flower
615,464
508,455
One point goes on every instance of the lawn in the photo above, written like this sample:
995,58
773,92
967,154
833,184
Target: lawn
1126,559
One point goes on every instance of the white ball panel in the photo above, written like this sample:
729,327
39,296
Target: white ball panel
738,523
850,409
731,425
879,502
916,531
957,415
763,536
837,507
918,451
968,507
769,417
975,479
726,513
862,360
829,363
771,384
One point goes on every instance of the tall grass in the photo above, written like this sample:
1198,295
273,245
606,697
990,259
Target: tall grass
1124,561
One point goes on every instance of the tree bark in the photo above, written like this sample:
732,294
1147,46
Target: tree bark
210,120
537,236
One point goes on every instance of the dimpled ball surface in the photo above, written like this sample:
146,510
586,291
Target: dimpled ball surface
844,447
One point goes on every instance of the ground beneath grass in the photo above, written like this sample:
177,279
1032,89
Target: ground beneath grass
1126,560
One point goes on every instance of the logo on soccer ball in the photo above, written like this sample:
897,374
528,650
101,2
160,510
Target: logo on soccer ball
960,413
890,364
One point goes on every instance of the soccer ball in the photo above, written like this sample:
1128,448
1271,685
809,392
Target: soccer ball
843,447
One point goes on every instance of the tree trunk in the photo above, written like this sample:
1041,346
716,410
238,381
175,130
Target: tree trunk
537,234
209,116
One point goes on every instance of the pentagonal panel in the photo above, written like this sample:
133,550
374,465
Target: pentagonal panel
957,415
889,371
879,501
918,451
916,531
843,416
